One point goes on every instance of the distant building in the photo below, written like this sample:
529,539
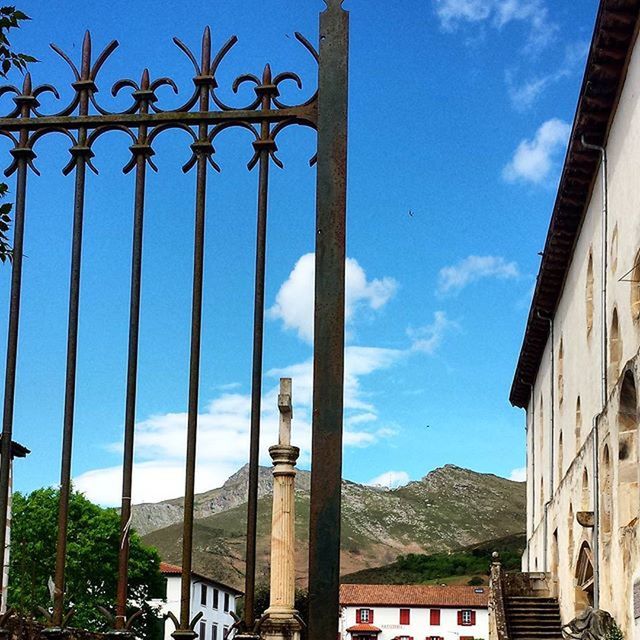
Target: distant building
17,451
578,372
413,612
215,600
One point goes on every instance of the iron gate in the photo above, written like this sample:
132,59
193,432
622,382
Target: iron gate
202,117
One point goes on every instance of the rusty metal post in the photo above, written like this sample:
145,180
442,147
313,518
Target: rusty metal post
22,155
82,154
328,345
264,146
141,151
203,150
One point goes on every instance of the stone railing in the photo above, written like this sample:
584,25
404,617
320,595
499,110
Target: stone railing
537,584
498,628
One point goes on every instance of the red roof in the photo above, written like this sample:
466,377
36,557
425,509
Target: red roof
173,569
366,628
416,595
168,569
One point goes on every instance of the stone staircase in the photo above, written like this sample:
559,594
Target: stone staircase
533,618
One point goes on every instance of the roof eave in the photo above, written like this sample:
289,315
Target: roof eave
613,39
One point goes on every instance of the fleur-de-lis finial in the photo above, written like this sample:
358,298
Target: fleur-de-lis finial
85,68
334,4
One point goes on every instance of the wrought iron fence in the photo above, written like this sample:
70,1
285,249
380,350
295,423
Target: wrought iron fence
202,117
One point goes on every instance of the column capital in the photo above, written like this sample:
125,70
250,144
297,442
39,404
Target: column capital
283,454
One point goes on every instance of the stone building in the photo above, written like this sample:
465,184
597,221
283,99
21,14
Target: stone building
578,371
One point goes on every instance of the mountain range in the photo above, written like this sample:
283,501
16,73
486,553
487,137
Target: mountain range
449,509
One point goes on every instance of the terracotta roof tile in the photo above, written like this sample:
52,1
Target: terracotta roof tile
417,595
168,569
364,627
173,569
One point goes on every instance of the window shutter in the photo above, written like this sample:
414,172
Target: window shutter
358,616
460,617
473,617
404,616
371,616
434,617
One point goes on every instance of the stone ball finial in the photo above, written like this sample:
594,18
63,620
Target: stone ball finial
495,555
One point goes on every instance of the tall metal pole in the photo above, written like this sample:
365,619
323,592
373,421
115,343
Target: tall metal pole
22,154
202,148
141,150
264,146
328,365
82,153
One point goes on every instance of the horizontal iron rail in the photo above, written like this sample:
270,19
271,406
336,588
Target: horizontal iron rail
306,113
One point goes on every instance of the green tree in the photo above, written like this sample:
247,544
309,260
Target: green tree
92,560
10,18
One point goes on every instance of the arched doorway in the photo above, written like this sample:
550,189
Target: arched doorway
628,493
605,492
584,579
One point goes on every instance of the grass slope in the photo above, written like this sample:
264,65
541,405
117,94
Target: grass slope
456,567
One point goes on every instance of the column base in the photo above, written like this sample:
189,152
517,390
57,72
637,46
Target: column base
280,627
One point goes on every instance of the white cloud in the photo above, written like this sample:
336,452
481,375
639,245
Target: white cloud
294,300
390,479
498,14
534,159
518,475
524,94
224,425
223,433
428,338
454,278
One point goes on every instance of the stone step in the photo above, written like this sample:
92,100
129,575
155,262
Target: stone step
535,633
531,598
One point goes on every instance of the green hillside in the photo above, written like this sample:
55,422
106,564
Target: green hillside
470,564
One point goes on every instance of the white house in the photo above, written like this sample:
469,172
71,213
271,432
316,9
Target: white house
413,612
215,600
17,451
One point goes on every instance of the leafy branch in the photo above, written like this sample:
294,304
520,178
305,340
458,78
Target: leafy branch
10,18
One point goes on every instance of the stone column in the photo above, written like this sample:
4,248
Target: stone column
281,622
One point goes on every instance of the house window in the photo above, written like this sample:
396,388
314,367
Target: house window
434,617
214,631
405,616
203,595
226,630
226,602
364,615
216,595
466,617
436,638
203,631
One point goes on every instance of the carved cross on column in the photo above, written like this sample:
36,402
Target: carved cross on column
282,617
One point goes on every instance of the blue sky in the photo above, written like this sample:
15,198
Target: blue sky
459,112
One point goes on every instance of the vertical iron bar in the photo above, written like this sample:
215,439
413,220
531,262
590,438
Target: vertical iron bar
82,153
328,346
265,145
194,382
12,340
140,150
70,389
202,148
